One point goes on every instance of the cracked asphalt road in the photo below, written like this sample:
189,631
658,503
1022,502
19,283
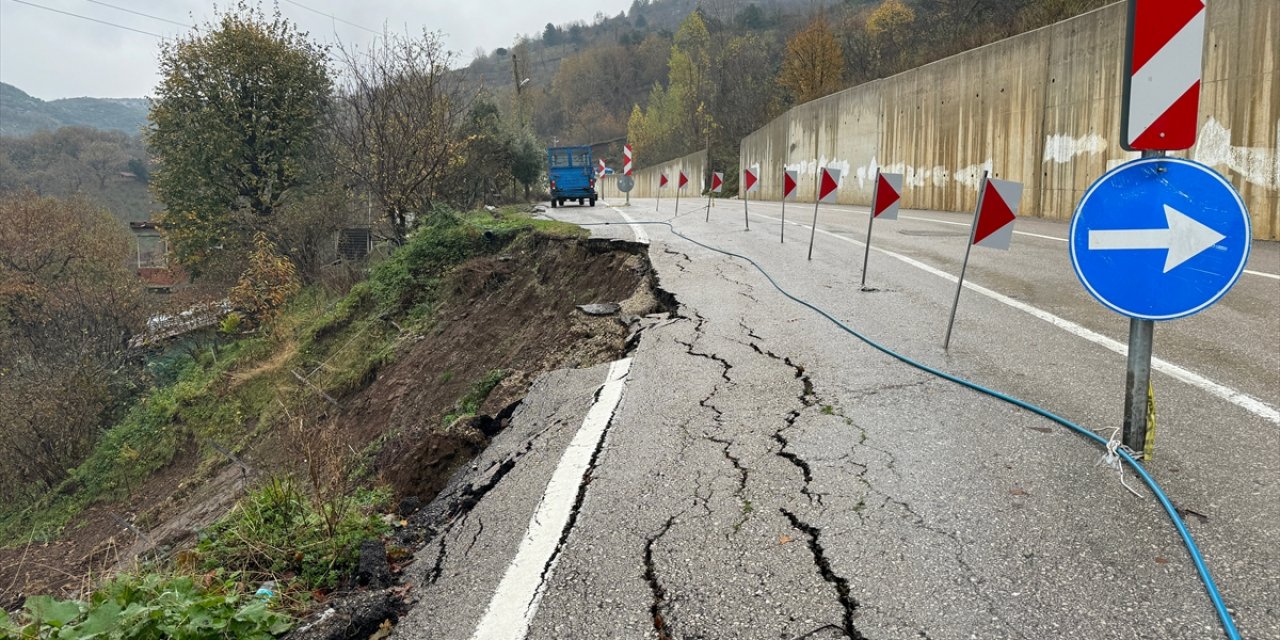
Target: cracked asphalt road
766,475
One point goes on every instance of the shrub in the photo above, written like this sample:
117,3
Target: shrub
149,607
276,533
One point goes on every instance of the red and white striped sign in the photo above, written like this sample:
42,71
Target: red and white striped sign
626,159
602,167
662,180
828,185
1163,59
750,179
994,227
886,196
717,182
790,180
684,180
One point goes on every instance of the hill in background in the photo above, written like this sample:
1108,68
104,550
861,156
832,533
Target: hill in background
22,115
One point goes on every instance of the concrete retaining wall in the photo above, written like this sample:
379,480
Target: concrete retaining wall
1042,108
694,164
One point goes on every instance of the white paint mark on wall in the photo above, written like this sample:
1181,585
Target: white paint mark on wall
971,176
1064,148
1258,165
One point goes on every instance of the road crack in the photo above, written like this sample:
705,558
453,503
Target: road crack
848,603
656,589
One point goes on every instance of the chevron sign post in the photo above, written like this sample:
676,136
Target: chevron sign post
1163,58
886,195
717,186
992,227
626,159
750,182
789,184
828,186
681,182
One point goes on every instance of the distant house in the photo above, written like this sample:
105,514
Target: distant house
153,266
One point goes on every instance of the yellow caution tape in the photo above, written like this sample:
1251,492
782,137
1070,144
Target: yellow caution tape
1148,446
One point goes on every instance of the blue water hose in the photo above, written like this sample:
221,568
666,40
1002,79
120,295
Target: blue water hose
1228,624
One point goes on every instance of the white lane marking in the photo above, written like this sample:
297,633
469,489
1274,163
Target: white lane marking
641,236
520,592
1251,272
1236,397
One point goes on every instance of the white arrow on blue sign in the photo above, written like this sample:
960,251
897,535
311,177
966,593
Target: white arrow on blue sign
1160,238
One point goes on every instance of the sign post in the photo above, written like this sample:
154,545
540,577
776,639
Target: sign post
885,198
789,185
680,183
626,168
717,186
1163,57
828,184
749,183
992,227
1157,239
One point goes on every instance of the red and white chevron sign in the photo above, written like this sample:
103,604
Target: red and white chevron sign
1163,59
717,182
603,166
626,159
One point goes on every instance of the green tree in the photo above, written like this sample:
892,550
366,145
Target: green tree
236,115
678,119
551,35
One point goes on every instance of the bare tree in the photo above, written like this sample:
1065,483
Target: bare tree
395,125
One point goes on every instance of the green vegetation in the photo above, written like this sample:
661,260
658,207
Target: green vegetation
149,607
231,389
278,531
471,403
107,167
236,121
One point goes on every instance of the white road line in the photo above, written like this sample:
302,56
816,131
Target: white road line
641,236
1251,272
520,592
1236,397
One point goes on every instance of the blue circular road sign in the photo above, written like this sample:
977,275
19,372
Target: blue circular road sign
1160,238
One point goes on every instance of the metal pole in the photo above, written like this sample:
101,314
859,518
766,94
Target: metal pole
817,180
1137,379
814,229
973,230
681,172
709,197
746,217
871,219
782,237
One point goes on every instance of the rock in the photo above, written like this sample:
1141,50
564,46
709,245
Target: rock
408,505
600,309
372,570
358,616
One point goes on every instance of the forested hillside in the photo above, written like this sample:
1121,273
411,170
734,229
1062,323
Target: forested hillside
23,115
676,75
107,167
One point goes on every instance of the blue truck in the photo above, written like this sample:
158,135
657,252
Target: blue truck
572,175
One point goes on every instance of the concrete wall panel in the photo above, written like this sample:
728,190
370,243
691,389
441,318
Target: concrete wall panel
1042,108
694,165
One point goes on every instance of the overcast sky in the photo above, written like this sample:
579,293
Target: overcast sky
51,55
